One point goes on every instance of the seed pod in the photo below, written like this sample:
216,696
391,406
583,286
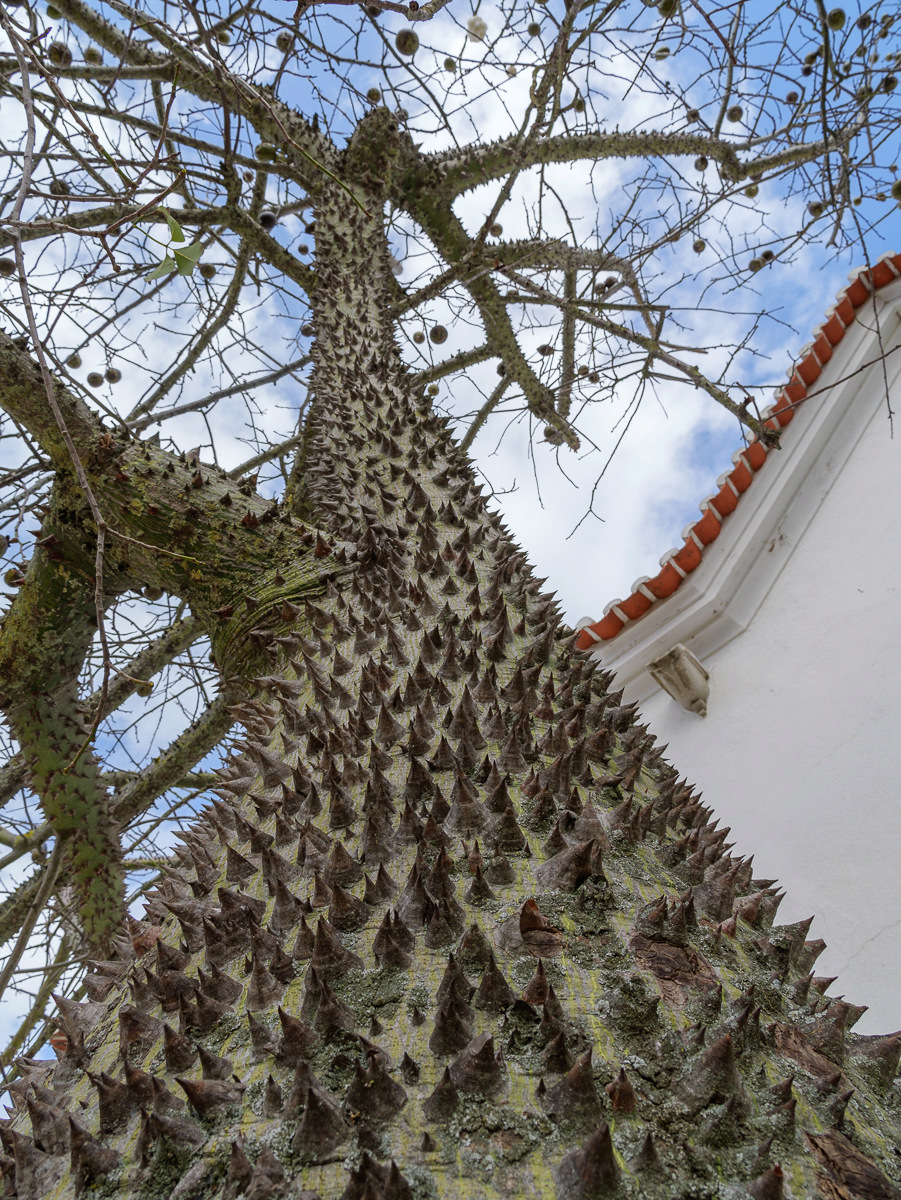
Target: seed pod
495,229
7,266
74,361
407,43
207,270
284,41
268,219
373,95
265,152
112,374
418,337
701,163
95,379
438,334
699,246
59,54
734,113
836,18
94,56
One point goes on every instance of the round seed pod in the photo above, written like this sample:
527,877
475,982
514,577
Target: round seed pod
692,115
7,266
223,37
666,8
594,377
578,105
751,190
583,371
74,360
699,246
112,374
373,95
450,65
755,264
864,21
816,208
767,256
94,56
265,152
496,229
207,270
889,83
792,98
701,163
511,71
418,337
268,219
836,18
59,54
95,379
54,13
545,350
438,335
284,41
152,592
307,330
533,29
407,42
734,113
432,389
896,190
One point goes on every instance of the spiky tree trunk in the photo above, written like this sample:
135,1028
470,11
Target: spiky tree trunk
452,926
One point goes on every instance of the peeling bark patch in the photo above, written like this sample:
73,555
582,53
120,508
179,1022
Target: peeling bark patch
678,970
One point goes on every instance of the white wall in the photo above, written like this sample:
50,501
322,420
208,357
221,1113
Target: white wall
800,752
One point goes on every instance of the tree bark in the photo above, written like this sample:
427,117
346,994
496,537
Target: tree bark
451,926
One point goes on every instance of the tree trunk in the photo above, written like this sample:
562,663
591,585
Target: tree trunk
452,926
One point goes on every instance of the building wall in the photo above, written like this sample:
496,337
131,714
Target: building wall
800,752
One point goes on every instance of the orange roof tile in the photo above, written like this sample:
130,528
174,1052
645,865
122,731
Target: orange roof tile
747,462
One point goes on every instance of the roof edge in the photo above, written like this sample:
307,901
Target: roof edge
681,561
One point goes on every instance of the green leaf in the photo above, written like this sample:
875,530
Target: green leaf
174,228
167,265
186,259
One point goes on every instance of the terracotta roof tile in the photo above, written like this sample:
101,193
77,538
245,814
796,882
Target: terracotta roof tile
676,564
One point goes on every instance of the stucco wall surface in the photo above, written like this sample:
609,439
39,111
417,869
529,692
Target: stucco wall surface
800,752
